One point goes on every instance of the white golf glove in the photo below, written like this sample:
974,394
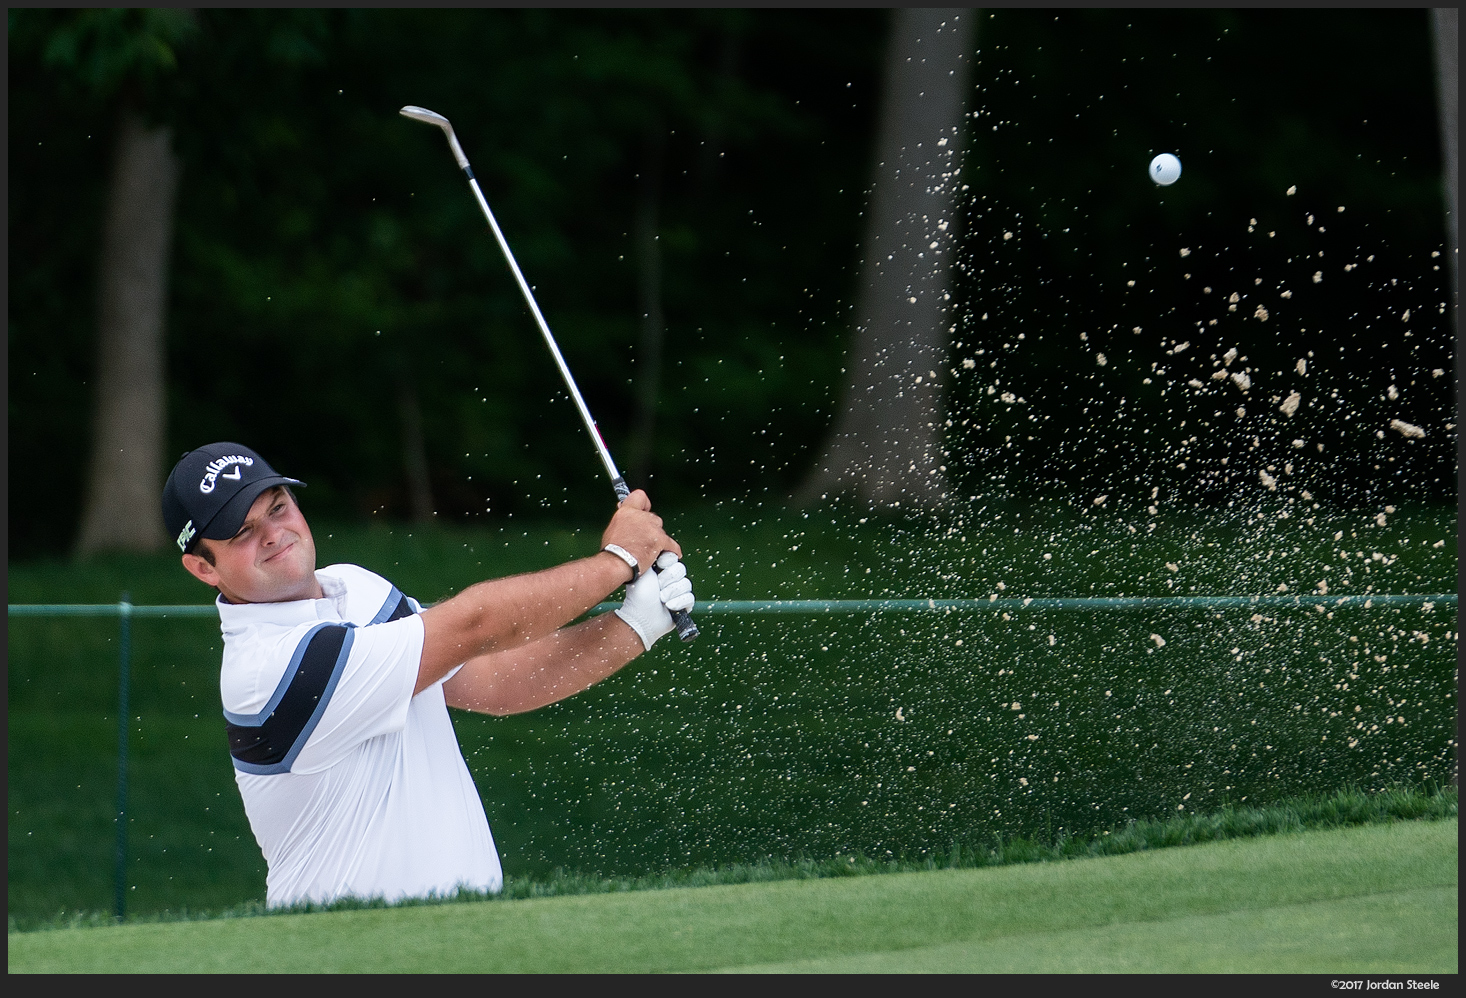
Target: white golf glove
653,595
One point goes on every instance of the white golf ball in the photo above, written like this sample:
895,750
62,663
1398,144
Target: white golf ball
1165,169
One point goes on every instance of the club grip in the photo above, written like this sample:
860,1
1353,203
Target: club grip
686,628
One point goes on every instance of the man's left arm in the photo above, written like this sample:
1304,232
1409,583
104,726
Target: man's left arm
575,658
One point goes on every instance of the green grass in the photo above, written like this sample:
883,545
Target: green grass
1380,898
777,740
1376,933
1344,809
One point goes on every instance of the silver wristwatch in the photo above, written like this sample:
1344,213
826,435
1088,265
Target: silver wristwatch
625,555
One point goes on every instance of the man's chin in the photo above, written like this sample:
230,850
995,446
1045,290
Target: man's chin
288,582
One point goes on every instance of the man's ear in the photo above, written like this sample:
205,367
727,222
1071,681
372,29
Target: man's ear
201,570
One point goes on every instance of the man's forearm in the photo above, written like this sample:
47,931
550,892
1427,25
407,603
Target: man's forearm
502,614
544,671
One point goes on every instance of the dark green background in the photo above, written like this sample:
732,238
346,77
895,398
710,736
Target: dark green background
326,248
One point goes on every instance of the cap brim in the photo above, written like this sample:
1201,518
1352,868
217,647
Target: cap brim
230,518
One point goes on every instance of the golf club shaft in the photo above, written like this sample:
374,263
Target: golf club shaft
686,628
617,482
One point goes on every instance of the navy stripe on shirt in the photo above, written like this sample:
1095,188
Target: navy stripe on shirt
395,607
267,745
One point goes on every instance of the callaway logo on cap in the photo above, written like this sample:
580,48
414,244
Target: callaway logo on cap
210,490
215,471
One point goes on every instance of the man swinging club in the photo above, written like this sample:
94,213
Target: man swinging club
336,685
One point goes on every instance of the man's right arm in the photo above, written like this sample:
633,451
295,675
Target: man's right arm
504,613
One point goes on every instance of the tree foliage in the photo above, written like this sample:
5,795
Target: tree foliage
103,51
326,248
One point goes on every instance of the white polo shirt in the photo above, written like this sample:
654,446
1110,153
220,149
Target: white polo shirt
353,786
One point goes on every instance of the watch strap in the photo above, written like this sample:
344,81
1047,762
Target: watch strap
626,556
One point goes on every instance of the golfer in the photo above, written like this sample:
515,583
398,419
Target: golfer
336,686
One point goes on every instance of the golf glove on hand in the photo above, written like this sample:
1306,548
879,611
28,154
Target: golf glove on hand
653,595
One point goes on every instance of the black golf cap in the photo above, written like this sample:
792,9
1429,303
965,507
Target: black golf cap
210,490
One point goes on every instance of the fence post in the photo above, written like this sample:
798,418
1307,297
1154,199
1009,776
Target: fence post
124,661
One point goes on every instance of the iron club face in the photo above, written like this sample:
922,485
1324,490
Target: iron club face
434,118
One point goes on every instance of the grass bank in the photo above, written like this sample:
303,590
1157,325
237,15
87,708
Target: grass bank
1379,898
1344,809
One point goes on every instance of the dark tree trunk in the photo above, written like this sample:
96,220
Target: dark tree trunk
1445,21
886,448
126,473
649,297
414,453
711,152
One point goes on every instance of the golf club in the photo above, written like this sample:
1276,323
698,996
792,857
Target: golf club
686,629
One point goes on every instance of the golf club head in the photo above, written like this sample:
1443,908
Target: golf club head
434,118
423,114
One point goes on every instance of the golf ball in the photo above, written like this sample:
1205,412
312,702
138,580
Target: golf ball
1165,169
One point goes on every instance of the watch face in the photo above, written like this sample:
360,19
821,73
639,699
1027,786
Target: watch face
625,556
